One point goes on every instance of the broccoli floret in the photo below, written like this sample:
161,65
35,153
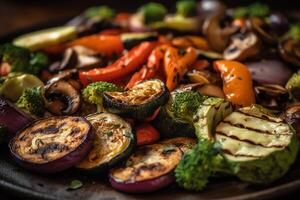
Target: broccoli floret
21,60
153,12
184,105
186,8
197,165
93,93
32,101
104,12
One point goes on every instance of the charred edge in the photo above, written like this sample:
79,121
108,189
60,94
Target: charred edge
263,117
148,167
238,125
51,129
249,141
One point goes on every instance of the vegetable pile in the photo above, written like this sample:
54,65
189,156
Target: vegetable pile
153,98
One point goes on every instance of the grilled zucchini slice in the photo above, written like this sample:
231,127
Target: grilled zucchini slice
259,142
210,113
139,102
114,142
132,39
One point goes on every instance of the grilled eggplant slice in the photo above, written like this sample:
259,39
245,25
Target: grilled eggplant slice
263,146
169,126
114,142
139,102
210,113
52,144
148,169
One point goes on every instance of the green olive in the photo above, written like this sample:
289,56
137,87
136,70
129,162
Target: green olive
13,86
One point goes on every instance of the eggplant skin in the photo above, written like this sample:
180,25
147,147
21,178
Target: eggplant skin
90,168
170,127
67,158
136,111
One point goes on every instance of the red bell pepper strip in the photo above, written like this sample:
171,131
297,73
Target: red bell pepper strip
146,134
127,64
237,82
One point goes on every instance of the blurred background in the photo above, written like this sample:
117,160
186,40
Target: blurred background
18,14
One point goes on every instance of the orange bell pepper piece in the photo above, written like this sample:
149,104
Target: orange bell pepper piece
237,82
176,68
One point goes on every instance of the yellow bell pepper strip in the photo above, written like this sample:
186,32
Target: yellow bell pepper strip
107,45
176,68
237,82
124,66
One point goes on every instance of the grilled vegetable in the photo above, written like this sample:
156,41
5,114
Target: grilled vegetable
93,93
18,59
45,38
52,144
146,134
114,142
122,67
186,8
262,145
209,114
104,12
132,39
13,86
293,85
139,102
237,82
148,169
12,117
170,127
32,101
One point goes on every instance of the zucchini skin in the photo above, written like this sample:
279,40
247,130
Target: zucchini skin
114,161
130,40
138,112
169,127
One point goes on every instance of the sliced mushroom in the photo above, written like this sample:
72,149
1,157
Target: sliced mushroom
264,31
63,75
290,51
202,77
211,90
243,46
292,116
61,98
78,57
271,96
218,37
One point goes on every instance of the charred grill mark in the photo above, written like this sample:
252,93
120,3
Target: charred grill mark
264,117
248,141
252,129
75,131
51,129
44,150
226,151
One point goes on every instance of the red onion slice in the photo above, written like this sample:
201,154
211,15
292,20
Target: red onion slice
12,117
143,186
53,144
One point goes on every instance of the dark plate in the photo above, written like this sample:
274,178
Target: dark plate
25,184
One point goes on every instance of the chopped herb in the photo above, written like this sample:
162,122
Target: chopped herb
75,184
109,133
